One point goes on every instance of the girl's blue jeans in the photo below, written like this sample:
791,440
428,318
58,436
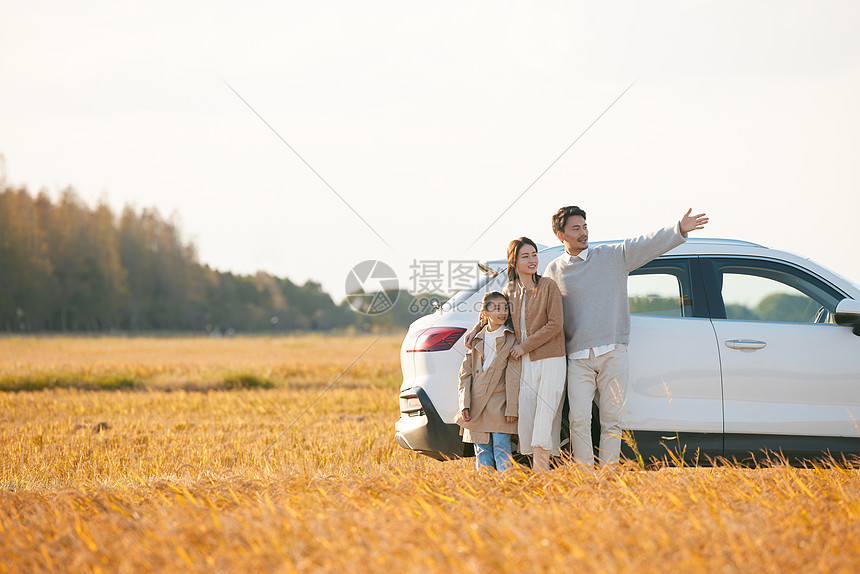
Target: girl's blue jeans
496,453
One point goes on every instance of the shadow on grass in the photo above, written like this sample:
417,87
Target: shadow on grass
229,382
106,383
240,381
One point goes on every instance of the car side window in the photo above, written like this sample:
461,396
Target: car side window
662,288
769,291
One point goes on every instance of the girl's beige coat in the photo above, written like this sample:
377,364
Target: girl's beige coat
489,395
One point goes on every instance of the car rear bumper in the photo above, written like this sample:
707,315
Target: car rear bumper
424,431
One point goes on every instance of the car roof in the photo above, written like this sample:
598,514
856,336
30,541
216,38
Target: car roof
724,246
697,241
695,246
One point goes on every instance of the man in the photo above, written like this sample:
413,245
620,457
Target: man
593,284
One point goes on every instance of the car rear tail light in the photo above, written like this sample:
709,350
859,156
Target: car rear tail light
412,406
435,339
413,403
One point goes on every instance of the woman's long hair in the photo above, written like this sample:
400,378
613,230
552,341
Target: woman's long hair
514,253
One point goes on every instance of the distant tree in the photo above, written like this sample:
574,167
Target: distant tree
406,308
655,305
740,312
26,270
109,279
788,308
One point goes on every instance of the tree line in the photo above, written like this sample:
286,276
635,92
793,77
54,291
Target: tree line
66,267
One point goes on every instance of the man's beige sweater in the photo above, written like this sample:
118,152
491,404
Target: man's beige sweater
594,291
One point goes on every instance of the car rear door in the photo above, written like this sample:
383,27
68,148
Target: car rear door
790,375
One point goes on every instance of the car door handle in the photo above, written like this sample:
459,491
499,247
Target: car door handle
745,344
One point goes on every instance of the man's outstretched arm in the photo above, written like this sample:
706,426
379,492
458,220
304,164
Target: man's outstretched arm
640,250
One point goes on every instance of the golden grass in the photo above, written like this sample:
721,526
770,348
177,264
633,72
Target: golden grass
182,480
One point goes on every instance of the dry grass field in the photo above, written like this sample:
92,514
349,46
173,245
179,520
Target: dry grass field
230,455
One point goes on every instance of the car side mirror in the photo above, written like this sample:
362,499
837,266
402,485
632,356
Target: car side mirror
848,314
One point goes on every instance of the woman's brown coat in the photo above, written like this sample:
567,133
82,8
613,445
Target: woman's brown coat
544,318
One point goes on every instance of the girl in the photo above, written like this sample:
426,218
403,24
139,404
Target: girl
538,319
489,386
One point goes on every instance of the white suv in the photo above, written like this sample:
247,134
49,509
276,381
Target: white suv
735,350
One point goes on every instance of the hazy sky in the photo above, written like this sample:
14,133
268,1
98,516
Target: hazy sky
430,118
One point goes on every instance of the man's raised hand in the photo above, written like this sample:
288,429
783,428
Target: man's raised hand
692,222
